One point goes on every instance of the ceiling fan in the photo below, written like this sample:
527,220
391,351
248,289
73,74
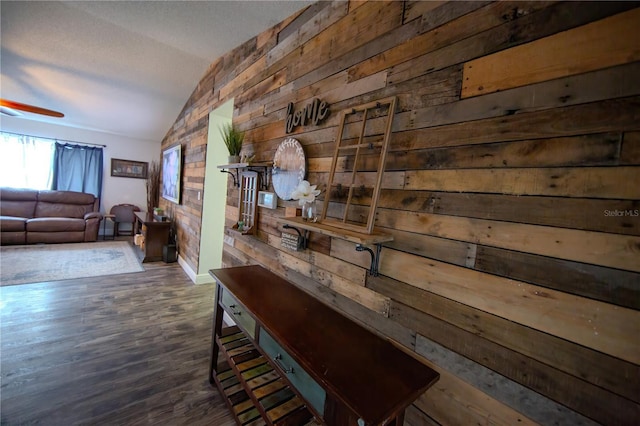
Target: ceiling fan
9,108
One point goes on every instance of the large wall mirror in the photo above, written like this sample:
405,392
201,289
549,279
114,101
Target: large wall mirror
289,168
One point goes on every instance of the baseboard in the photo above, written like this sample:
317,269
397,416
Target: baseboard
187,269
193,276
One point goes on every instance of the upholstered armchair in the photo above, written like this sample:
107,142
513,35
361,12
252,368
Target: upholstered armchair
123,213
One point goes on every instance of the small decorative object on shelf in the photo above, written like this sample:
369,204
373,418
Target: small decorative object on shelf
306,195
248,204
267,199
309,212
233,139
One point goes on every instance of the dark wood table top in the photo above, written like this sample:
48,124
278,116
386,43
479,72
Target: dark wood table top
148,219
368,373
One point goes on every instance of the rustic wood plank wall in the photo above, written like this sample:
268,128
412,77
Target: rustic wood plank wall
512,189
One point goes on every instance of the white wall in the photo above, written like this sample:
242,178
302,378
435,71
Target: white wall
115,190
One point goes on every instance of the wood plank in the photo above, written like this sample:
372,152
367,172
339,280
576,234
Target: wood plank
243,406
450,251
446,13
593,46
240,350
291,25
300,417
609,83
328,16
630,148
391,180
355,292
527,401
517,29
285,409
229,382
611,250
452,401
267,85
290,93
283,264
356,88
256,371
590,365
331,263
598,149
576,213
604,284
249,416
359,53
250,364
618,182
455,24
237,83
597,117
348,33
262,380
574,318
269,388
415,9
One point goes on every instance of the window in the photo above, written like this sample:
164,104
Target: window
25,161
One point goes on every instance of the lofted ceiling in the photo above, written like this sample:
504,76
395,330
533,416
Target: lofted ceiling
121,67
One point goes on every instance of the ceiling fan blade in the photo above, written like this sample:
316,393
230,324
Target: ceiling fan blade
30,108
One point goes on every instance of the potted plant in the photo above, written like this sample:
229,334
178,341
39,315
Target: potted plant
233,139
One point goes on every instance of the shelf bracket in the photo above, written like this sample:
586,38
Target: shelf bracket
236,182
264,172
303,240
375,257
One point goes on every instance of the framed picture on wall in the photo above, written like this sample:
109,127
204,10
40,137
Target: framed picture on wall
130,169
171,162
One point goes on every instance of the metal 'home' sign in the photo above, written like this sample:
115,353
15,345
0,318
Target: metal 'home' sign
313,113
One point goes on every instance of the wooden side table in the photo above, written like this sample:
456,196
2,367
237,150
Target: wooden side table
156,235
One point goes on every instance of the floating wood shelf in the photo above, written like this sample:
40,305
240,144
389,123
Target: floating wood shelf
325,228
233,166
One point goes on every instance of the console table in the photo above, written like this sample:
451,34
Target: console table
293,360
156,235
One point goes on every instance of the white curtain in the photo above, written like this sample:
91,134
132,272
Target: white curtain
25,161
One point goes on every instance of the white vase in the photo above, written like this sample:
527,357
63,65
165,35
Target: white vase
309,211
233,159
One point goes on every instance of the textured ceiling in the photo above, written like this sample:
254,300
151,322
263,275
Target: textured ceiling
121,67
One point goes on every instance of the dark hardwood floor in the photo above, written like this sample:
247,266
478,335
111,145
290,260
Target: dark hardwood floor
129,349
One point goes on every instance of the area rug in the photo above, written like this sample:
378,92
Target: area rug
55,262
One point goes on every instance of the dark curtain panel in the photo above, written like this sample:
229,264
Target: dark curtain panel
78,168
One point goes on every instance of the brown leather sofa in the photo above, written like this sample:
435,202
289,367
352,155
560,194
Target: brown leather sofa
29,216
